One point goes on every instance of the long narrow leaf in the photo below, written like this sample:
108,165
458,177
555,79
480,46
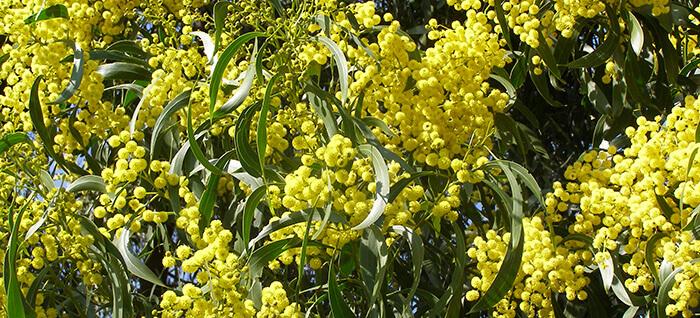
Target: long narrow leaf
222,62
76,75
381,174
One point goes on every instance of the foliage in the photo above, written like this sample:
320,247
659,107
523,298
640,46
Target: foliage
349,158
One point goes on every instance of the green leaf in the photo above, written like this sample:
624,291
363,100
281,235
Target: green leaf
670,55
122,71
636,83
524,175
597,97
220,12
547,56
196,150
37,117
449,304
381,174
341,64
542,86
650,255
242,91
323,109
339,307
246,154
619,92
249,212
118,56
376,122
503,22
54,11
88,183
15,299
76,75
130,48
12,139
222,62
457,284
504,279
605,50
636,34
511,263
417,255
206,203
164,118
373,262
262,121
285,221
607,272
133,263
264,255
631,312
664,206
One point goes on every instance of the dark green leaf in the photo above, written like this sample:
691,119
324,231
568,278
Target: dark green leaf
196,150
278,6
264,255
12,139
220,12
605,50
54,11
339,307
206,203
650,255
510,89
14,297
376,122
599,131
663,205
246,154
262,121
164,118
547,56
222,62
542,86
37,117
251,205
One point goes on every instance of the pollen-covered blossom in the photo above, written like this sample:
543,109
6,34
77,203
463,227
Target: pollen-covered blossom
548,267
645,194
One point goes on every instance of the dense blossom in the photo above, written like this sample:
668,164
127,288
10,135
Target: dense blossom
171,147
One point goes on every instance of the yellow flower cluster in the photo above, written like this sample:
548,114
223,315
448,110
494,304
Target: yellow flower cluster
529,20
547,267
626,199
219,290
